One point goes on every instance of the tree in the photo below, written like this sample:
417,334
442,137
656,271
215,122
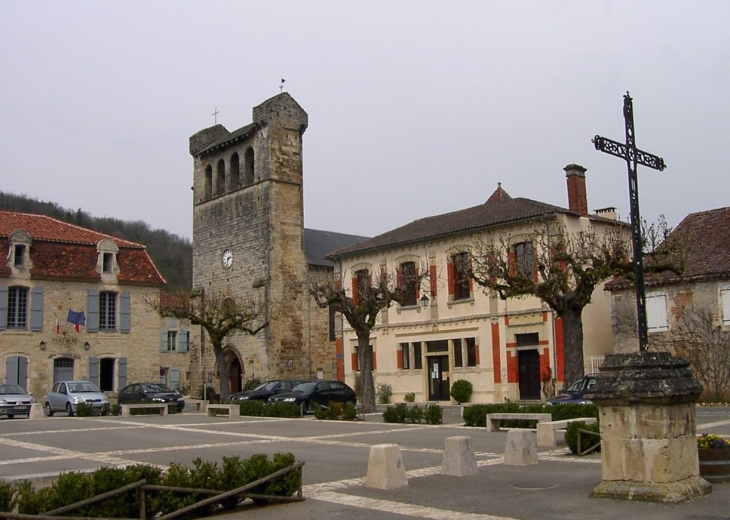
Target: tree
360,306
220,315
560,268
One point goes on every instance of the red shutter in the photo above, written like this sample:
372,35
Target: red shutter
433,281
355,368
355,292
399,359
450,274
471,288
399,278
512,262
476,354
375,361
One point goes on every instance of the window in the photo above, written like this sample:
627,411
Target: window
524,259
461,284
107,311
248,166
17,308
332,321
220,179
407,277
107,263
234,181
656,312
208,187
406,356
458,361
19,256
725,297
171,340
472,352
417,361
527,340
362,285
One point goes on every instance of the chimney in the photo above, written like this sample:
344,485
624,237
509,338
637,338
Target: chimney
577,200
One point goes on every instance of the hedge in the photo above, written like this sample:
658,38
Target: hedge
476,415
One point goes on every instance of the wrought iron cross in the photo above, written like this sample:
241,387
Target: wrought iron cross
633,157
215,116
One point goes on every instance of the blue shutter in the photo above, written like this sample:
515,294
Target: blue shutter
3,307
11,370
92,309
36,309
183,337
163,341
125,304
94,370
121,372
174,378
23,372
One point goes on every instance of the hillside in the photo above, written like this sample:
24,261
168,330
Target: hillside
173,255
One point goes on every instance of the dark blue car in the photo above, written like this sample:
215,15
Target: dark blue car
574,393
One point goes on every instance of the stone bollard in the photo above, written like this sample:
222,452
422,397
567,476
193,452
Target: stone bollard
521,448
385,467
36,411
458,459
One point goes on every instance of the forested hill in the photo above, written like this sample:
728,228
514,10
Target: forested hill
173,255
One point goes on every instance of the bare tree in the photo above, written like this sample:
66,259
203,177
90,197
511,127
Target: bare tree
360,306
220,315
560,268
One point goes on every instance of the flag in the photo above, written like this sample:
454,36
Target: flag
77,318
58,326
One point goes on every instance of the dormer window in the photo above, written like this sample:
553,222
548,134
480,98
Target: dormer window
108,263
19,255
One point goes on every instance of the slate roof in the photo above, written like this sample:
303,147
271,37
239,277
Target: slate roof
318,243
499,209
62,251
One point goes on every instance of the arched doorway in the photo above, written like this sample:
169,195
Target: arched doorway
235,369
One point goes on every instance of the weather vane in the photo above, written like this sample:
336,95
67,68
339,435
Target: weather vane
281,86
215,116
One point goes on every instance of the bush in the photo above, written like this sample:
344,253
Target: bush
586,441
7,502
251,384
461,390
116,409
384,392
410,397
415,414
434,414
256,408
396,414
476,415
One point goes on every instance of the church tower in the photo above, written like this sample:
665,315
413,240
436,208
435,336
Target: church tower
248,235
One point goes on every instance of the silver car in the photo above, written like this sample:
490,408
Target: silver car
14,401
66,395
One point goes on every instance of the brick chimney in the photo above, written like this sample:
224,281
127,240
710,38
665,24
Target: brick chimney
577,200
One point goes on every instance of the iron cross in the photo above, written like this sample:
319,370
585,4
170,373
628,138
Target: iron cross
215,116
633,156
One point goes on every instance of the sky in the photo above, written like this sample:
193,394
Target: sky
416,108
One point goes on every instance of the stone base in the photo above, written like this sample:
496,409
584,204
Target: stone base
36,411
385,467
672,493
458,459
521,448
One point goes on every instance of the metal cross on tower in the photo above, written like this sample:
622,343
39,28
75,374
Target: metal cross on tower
633,157
215,115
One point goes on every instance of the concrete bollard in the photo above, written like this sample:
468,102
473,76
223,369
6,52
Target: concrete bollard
385,467
521,448
36,411
458,459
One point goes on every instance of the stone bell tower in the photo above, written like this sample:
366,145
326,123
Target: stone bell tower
248,235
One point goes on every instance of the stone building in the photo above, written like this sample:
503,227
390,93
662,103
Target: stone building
249,240
72,306
451,329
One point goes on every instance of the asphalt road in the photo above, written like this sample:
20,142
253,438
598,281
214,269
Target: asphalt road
336,455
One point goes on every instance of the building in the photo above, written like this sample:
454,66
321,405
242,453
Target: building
451,329
73,306
249,241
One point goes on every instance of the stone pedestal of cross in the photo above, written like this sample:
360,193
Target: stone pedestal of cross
633,156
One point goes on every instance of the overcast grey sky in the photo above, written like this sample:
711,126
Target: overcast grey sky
415,108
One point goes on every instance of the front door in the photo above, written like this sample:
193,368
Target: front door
529,366
438,378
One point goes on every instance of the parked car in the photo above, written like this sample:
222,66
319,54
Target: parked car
320,392
265,390
64,396
14,400
150,392
574,393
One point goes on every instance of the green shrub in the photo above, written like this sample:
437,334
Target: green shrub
434,414
476,415
357,386
415,414
384,392
396,414
7,501
349,413
116,409
256,408
251,384
410,397
586,441
461,390
207,392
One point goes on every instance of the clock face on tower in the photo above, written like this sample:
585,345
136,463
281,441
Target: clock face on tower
227,258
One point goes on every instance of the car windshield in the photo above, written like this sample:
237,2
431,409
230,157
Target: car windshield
266,386
11,389
155,388
305,387
83,388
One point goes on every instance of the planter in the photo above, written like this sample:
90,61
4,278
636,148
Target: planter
715,465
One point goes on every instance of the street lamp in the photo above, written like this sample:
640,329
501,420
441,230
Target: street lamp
424,301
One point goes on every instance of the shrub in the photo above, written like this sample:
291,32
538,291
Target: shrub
476,415
384,393
251,384
434,414
257,408
461,390
586,441
396,414
116,409
349,413
7,501
410,397
415,414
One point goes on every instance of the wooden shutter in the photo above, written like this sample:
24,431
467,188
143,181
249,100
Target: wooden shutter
355,366
94,370
11,370
121,372
92,310
3,307
355,292
36,309
725,295
164,346
125,312
450,276
183,340
476,353
174,378
433,281
399,359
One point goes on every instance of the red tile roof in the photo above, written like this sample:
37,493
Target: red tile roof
62,251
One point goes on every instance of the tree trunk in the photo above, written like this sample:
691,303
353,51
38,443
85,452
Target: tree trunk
365,360
220,360
573,346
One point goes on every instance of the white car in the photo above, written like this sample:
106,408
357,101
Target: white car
66,395
14,401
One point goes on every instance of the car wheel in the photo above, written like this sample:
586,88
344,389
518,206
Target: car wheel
10,416
49,412
69,410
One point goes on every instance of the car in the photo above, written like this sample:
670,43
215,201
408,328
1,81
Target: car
306,394
265,390
14,400
574,393
64,396
150,393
